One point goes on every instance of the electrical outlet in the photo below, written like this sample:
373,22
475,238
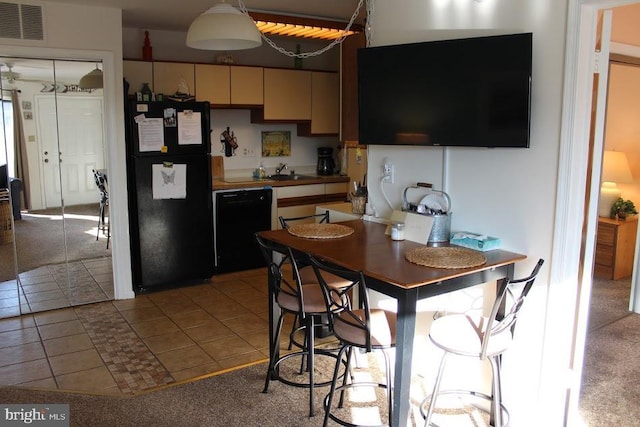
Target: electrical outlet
248,152
388,172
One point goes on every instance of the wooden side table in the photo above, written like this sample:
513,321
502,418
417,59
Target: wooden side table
615,248
6,230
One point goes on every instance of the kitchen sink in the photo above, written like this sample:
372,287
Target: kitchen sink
289,177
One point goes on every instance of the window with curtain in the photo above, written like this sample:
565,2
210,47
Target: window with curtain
6,130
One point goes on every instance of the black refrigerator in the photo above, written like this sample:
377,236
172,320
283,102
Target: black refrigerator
169,193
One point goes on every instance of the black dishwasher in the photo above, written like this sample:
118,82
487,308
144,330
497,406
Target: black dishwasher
238,214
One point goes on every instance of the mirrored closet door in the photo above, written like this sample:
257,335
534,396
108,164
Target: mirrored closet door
53,144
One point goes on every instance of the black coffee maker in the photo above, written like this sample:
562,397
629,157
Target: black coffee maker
326,164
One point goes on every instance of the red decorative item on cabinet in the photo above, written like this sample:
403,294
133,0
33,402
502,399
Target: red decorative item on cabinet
147,50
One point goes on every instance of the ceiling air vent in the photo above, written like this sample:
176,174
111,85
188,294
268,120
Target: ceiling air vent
21,21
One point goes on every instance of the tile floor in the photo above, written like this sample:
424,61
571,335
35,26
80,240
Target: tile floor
126,346
47,287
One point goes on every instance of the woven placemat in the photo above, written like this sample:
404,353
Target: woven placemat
320,231
445,257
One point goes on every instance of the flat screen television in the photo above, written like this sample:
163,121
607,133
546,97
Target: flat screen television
472,92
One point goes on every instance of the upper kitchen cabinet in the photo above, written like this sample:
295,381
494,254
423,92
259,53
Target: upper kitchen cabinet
167,76
287,95
137,73
213,84
247,86
325,105
349,95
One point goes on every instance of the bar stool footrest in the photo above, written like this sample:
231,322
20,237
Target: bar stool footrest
506,417
345,387
275,374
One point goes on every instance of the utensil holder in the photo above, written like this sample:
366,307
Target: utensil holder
357,204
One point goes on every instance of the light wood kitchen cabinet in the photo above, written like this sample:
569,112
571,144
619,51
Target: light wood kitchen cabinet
301,200
166,76
137,73
325,105
615,248
213,83
287,95
247,86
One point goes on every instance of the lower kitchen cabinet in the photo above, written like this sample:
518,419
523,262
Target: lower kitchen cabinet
301,200
615,248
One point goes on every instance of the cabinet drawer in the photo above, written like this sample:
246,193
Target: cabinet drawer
603,271
606,234
604,255
300,190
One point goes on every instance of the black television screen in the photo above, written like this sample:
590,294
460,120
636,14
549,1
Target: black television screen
473,92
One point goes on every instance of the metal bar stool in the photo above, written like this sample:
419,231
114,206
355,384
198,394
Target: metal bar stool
307,301
104,224
364,328
306,272
482,338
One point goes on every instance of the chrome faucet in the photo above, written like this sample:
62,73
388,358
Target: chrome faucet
280,168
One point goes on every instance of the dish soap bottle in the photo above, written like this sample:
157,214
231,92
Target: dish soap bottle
260,172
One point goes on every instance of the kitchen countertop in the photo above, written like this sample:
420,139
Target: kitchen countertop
250,182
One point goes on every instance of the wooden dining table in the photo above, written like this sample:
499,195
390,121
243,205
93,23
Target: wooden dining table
386,270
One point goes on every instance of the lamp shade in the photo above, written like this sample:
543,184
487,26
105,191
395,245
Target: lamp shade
92,80
615,169
223,27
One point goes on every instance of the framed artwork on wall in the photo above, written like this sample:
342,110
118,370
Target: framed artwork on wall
276,143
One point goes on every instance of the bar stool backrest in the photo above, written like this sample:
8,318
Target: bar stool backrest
496,323
279,282
335,300
320,218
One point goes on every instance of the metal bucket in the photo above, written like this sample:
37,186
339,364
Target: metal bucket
441,229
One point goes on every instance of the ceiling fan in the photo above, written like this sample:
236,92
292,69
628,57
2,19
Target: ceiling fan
10,76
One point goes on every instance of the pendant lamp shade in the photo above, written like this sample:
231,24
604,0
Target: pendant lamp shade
223,27
92,80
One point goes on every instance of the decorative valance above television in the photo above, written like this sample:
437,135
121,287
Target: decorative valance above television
473,92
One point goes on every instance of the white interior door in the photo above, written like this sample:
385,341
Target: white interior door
71,140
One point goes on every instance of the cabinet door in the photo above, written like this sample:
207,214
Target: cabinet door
287,95
247,86
137,73
167,76
213,84
325,103
349,55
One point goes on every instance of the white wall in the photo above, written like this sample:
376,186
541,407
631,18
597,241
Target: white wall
509,193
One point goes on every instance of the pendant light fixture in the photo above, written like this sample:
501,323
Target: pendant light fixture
92,80
223,27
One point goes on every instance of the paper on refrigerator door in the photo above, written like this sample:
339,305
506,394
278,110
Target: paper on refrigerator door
189,128
169,182
150,134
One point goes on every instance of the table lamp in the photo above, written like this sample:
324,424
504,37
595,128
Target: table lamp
615,170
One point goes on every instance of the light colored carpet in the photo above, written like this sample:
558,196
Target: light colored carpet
611,373
39,239
230,399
